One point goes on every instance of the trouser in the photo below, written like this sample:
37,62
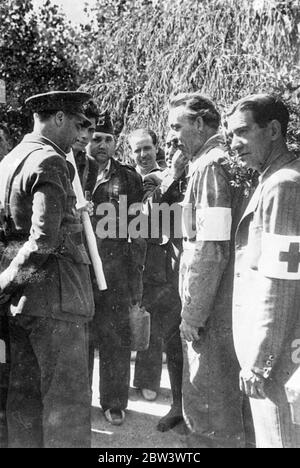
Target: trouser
114,353
48,397
109,330
163,303
212,402
272,420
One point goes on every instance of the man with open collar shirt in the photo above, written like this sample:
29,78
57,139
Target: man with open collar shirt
212,402
266,305
118,191
45,279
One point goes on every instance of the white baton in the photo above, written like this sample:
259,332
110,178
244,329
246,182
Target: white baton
88,229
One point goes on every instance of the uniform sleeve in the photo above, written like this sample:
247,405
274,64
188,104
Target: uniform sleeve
207,215
48,192
278,295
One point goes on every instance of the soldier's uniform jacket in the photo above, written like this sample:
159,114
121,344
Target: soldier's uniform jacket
267,274
121,189
87,171
44,265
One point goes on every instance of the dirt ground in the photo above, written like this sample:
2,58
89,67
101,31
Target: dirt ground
139,427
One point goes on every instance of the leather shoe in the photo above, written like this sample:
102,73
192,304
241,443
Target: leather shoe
115,416
148,394
171,419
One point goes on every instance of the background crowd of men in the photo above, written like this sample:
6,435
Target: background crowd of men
223,296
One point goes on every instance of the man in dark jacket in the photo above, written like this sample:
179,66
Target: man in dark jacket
160,295
45,278
118,188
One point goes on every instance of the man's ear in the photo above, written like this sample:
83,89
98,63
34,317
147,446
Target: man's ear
59,118
275,128
199,123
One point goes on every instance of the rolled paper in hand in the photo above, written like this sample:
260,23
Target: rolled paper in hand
88,229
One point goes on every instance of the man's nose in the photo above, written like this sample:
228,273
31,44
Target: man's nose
235,143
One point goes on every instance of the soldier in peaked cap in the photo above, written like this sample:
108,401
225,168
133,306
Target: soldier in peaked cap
45,279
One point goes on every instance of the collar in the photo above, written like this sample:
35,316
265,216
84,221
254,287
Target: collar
213,142
281,160
47,141
103,175
154,169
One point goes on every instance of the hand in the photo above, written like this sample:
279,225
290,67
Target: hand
88,206
179,162
252,384
188,332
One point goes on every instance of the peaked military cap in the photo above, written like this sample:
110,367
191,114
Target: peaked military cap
68,101
104,124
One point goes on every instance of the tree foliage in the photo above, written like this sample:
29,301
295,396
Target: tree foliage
132,54
37,54
136,53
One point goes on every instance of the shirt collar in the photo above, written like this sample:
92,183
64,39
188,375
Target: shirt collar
154,169
102,175
281,160
48,141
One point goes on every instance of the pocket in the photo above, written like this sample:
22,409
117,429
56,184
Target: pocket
75,288
156,264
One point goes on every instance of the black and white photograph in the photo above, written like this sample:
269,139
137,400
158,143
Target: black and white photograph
149,227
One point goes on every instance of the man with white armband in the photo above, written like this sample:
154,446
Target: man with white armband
212,403
266,299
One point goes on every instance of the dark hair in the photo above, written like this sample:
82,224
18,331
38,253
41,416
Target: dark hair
46,114
264,108
90,109
197,106
143,131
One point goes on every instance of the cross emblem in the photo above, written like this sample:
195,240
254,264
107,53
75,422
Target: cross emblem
292,257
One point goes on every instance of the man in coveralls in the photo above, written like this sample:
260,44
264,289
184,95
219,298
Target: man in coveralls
212,402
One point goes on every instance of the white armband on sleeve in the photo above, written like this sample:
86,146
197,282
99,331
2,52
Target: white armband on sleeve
2,352
280,256
213,224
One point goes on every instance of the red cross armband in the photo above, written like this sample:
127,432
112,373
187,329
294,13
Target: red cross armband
280,256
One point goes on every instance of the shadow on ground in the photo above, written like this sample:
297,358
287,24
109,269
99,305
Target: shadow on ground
139,428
